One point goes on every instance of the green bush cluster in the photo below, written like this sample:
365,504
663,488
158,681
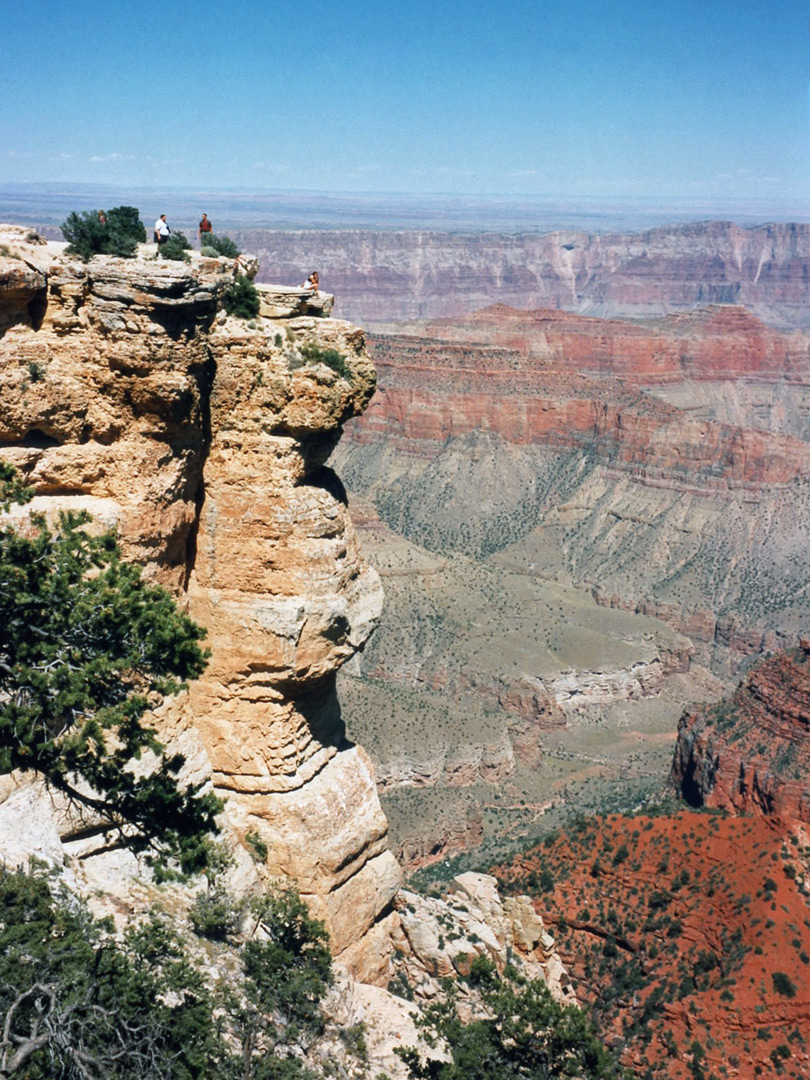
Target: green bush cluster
524,1033
783,984
214,245
215,915
120,235
312,353
80,1003
176,247
241,298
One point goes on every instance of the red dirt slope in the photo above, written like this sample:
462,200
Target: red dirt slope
688,936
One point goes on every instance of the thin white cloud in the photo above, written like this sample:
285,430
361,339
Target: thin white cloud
106,158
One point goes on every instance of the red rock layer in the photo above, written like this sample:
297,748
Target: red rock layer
752,754
430,391
714,343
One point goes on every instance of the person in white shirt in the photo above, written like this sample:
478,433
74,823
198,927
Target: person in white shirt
161,231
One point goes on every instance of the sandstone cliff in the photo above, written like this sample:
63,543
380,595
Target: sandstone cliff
126,390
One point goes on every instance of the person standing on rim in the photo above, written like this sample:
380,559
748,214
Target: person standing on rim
161,231
204,229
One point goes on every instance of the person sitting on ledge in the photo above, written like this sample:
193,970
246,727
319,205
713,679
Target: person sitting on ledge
312,281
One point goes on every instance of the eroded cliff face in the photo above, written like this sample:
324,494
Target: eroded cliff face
390,276
548,439
126,390
749,754
711,343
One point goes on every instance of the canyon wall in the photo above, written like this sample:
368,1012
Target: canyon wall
126,390
602,447
711,343
749,754
388,276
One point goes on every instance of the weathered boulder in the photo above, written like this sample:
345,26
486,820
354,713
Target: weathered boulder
282,302
440,937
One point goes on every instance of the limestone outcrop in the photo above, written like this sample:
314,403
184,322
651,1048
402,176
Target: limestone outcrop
126,390
439,937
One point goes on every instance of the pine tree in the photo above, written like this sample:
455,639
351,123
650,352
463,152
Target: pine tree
87,647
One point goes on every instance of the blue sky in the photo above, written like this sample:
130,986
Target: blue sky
574,99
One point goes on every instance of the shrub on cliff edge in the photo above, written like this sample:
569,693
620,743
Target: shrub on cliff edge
119,235
312,353
241,298
176,247
220,245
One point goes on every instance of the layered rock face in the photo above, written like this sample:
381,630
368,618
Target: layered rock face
395,276
713,343
431,391
750,754
126,390
602,450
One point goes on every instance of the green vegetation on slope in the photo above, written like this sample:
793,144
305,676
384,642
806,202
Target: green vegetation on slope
241,298
523,1032
669,943
78,1003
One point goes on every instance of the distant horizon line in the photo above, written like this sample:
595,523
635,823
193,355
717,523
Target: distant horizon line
569,201
46,204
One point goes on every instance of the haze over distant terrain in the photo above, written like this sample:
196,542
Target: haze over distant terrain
48,204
